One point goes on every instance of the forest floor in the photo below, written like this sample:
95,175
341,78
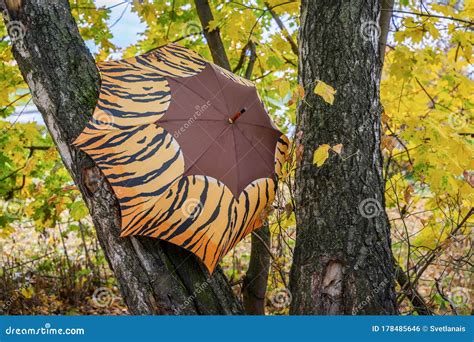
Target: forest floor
62,271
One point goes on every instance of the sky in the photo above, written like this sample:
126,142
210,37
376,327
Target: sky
126,24
126,29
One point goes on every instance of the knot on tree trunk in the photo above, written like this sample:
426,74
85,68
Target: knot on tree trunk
13,6
91,178
331,287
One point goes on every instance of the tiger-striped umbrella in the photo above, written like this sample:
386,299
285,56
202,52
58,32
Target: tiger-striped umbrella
188,148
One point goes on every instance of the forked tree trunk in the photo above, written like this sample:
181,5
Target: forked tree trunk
154,277
342,260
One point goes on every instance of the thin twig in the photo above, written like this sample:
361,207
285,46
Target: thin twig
470,23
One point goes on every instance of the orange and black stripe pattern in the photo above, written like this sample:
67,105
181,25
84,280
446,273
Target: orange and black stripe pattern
145,165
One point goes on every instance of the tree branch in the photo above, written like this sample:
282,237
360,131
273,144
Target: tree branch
282,27
252,58
213,37
241,58
410,291
255,281
470,23
384,23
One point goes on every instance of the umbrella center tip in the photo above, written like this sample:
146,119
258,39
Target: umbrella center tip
237,115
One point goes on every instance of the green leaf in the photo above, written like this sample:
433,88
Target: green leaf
78,210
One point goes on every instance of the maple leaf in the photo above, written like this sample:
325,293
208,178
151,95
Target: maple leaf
321,154
325,91
337,148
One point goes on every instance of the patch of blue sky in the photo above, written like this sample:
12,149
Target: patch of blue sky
124,24
126,28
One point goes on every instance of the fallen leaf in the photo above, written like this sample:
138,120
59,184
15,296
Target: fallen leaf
325,91
27,292
388,143
299,152
337,148
300,90
321,154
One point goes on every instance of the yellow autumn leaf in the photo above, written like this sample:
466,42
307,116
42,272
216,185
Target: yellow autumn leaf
388,142
6,231
321,154
27,292
300,91
337,148
325,91
430,236
283,87
213,24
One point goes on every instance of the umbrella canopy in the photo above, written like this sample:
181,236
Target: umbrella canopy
188,148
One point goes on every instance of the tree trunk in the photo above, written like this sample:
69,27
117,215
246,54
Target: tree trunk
254,287
154,277
342,260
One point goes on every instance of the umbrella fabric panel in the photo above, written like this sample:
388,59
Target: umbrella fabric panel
135,91
200,214
232,76
234,152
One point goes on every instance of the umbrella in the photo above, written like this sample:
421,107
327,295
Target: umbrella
188,148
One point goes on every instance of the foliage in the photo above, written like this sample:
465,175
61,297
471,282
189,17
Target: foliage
428,145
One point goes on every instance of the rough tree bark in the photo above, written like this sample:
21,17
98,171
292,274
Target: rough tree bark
154,277
342,260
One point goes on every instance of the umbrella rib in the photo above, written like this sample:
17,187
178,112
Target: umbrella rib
256,125
256,149
186,120
207,149
220,85
236,162
184,85
225,100
250,143
246,153
249,95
